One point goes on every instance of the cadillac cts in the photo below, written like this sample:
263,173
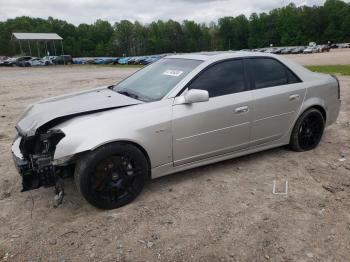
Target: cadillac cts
180,112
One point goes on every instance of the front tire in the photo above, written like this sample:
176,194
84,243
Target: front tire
112,175
308,131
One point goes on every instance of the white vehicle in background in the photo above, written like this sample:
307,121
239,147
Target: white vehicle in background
49,58
344,45
311,50
35,61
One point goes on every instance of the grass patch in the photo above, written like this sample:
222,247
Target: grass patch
331,69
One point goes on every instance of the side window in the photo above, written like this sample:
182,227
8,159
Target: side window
292,79
268,73
221,79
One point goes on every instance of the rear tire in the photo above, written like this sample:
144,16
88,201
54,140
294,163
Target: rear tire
307,131
112,175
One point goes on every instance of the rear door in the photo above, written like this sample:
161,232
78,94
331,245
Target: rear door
278,95
218,126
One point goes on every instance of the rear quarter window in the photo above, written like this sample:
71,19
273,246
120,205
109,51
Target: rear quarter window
268,72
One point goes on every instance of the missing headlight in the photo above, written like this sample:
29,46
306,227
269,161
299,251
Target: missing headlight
36,167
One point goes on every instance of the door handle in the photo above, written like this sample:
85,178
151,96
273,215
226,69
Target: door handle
294,97
242,109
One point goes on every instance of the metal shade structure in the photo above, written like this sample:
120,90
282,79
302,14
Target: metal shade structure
36,36
45,38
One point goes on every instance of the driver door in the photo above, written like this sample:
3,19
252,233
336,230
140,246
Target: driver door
218,126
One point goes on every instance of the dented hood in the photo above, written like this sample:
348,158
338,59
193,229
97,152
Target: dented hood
70,105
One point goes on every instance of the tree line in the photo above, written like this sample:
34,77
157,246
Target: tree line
289,25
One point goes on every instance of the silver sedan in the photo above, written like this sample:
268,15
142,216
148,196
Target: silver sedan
180,112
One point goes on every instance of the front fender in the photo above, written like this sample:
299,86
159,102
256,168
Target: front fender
147,125
72,145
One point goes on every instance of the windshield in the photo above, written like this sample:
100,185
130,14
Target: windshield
153,82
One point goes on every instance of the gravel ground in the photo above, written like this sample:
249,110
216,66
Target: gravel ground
221,212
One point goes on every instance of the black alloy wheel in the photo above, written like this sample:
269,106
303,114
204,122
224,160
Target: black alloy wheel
308,130
112,176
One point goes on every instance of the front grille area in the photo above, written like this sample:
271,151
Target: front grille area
36,166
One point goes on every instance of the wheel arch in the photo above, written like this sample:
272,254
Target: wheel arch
292,138
137,145
319,108
314,102
307,106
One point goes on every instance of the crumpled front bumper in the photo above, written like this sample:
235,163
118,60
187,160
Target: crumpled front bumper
33,176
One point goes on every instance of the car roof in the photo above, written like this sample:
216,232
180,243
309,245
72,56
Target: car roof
214,56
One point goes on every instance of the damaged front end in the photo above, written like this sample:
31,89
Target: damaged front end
33,157
38,135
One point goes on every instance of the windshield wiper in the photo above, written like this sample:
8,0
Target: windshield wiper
126,93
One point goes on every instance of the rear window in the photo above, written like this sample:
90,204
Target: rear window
268,72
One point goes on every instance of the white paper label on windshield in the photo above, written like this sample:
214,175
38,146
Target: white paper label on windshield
172,73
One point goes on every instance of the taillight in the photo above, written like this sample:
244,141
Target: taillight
336,78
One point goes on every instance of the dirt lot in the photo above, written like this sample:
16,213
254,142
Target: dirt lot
221,212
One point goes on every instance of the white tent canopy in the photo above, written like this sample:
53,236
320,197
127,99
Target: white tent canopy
36,36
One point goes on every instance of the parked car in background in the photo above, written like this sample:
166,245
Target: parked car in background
49,58
21,61
137,60
103,61
334,46
270,50
278,50
298,50
324,48
15,61
115,60
35,61
3,58
180,112
310,50
63,60
287,50
149,60
124,60
7,62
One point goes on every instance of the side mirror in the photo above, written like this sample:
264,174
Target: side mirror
196,96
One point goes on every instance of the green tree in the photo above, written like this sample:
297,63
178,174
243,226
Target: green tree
289,25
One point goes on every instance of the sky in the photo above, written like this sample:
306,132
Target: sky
145,11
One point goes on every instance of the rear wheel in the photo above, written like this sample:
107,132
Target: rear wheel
112,176
308,131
